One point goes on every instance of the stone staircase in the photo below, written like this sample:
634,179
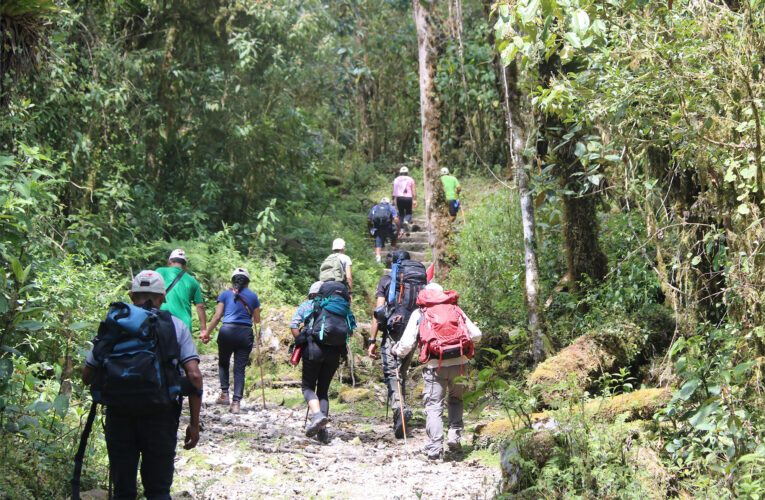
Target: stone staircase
416,241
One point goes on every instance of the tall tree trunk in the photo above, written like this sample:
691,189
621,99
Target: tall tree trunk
581,226
516,141
439,222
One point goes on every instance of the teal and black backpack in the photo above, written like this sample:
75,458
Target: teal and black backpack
138,360
332,319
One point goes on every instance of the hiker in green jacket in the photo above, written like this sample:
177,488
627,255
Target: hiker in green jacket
452,188
182,290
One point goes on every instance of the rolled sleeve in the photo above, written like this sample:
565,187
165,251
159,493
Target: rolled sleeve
475,332
198,294
188,350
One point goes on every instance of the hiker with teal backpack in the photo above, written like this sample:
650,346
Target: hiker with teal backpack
337,266
182,291
134,369
323,339
383,224
239,308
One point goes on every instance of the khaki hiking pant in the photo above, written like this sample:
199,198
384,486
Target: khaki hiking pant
437,384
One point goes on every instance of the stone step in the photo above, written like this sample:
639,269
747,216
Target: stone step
421,256
412,246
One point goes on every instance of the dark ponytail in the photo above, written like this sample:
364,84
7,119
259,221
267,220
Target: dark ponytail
240,282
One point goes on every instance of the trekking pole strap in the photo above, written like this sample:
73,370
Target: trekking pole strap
78,458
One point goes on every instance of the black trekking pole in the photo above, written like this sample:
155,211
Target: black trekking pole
78,458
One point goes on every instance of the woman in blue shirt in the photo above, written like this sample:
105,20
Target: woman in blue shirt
240,309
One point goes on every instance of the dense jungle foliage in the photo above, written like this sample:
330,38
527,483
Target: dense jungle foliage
253,132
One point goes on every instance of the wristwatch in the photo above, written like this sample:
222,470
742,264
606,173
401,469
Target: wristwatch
372,341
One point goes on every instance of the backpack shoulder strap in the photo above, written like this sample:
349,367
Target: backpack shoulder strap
245,304
165,329
176,280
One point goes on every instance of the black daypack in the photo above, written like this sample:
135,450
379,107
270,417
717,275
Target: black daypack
382,216
408,277
138,358
332,321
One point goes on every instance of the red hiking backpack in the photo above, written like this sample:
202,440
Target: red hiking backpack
443,329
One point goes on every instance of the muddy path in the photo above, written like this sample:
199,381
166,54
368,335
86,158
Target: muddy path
264,454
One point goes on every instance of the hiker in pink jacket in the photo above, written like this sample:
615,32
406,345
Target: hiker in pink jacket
404,196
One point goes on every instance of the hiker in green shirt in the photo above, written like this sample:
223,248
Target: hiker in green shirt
451,189
184,291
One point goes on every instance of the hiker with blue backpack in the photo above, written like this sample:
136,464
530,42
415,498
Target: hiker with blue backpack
383,224
396,298
134,369
323,341
240,309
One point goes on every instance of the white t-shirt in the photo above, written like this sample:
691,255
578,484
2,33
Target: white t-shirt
345,260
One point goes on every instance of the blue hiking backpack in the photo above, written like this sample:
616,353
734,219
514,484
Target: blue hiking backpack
332,319
138,356
408,277
382,216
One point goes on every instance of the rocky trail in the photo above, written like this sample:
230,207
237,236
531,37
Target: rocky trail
264,454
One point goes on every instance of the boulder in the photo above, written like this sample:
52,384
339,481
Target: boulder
353,394
576,368
637,405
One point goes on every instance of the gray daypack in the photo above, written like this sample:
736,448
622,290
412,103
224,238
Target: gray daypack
332,269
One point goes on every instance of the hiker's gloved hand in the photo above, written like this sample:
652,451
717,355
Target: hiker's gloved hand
192,437
371,350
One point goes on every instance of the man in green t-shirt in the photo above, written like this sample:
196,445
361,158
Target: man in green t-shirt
451,190
185,291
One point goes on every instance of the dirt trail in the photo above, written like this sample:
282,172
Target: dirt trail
264,454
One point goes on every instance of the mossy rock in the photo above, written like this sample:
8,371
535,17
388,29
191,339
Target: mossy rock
639,405
576,368
498,431
352,394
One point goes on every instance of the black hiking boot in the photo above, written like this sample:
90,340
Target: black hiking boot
318,420
323,436
398,428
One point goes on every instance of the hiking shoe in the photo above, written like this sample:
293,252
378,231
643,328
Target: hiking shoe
323,436
318,420
235,407
454,446
222,399
433,456
398,428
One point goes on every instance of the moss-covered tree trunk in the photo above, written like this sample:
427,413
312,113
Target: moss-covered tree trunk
581,229
439,224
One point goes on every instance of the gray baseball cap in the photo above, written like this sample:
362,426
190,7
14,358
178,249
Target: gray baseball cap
315,288
148,282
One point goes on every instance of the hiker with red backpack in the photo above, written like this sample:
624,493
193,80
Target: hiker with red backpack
396,297
446,337
240,309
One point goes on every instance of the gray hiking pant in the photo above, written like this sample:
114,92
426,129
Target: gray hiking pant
437,383
389,363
